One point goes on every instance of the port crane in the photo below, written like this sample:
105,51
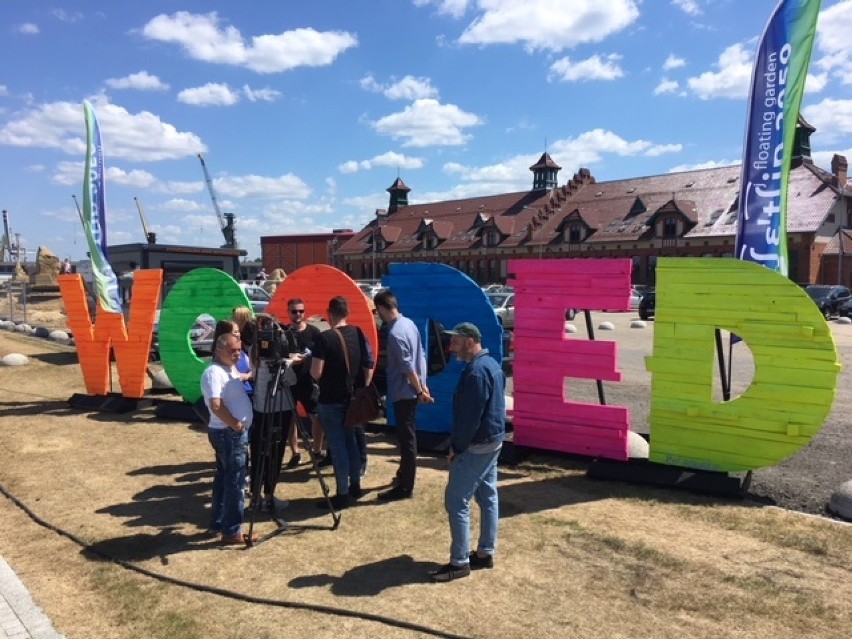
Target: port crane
226,220
150,236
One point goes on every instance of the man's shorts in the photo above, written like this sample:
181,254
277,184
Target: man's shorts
306,396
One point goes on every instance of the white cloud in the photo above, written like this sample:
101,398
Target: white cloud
28,28
203,39
427,122
179,188
832,118
594,68
453,8
257,186
408,88
69,173
67,16
36,168
142,81
732,80
211,94
181,205
709,164
666,86
141,137
549,24
673,62
833,41
816,82
391,159
4,90
589,147
265,95
689,7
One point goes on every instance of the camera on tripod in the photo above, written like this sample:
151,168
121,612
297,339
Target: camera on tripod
274,342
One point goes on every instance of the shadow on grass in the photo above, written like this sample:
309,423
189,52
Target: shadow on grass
31,408
144,546
57,359
370,580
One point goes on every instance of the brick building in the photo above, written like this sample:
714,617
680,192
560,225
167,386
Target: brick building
291,252
689,214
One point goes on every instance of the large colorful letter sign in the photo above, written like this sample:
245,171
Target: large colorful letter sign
447,296
132,345
315,285
796,366
203,290
545,355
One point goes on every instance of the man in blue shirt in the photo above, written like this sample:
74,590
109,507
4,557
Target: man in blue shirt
479,424
406,380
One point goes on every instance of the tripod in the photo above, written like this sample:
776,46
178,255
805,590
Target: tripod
272,428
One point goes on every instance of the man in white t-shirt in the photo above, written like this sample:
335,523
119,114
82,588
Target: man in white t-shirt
230,419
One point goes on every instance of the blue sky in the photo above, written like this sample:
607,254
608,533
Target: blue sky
307,111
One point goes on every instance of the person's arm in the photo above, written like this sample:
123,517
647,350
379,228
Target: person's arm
218,408
467,413
404,354
317,365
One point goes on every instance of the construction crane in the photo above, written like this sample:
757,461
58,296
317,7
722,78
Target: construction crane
150,236
10,249
226,221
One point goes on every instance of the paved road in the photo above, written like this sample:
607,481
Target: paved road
20,617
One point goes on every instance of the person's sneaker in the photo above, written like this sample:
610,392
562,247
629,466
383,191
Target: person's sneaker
395,494
338,502
477,562
355,491
324,461
449,572
294,461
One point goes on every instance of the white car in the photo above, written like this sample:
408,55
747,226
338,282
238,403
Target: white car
504,307
258,297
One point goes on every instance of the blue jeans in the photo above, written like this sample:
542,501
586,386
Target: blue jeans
231,451
472,475
345,455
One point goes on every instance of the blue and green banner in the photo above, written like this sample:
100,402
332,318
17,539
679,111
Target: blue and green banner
778,83
94,216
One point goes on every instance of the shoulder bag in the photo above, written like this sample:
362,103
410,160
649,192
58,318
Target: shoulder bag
365,404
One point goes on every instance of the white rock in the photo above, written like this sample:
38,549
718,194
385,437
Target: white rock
637,446
59,336
22,328
841,501
570,328
638,324
606,326
15,359
844,320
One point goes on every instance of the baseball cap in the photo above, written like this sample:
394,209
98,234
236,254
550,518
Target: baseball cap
466,329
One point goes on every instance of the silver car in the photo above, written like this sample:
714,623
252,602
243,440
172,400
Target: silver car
504,307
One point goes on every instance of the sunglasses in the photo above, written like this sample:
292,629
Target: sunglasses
297,311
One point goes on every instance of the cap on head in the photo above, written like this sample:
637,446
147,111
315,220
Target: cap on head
466,329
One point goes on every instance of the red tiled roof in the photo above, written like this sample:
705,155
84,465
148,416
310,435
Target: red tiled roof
705,198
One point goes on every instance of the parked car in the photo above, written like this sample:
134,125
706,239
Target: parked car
635,297
647,305
828,298
504,307
200,336
845,309
257,296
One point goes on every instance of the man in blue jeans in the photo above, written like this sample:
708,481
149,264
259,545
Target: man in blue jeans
230,420
478,428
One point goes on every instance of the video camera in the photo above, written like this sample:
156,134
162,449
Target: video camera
274,342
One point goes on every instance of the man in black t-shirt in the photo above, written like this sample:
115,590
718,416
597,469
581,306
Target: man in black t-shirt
338,373
305,391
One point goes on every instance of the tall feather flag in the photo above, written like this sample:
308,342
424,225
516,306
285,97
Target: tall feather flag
94,216
778,83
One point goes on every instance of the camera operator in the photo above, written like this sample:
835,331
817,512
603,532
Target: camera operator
305,391
273,407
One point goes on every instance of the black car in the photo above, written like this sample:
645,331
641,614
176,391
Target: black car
828,299
647,305
845,309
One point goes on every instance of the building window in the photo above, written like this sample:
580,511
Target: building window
491,237
670,227
573,234
430,242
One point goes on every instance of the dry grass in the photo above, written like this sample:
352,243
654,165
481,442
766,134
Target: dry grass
577,558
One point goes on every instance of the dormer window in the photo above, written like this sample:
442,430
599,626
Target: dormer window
430,241
491,237
669,227
573,233
380,243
